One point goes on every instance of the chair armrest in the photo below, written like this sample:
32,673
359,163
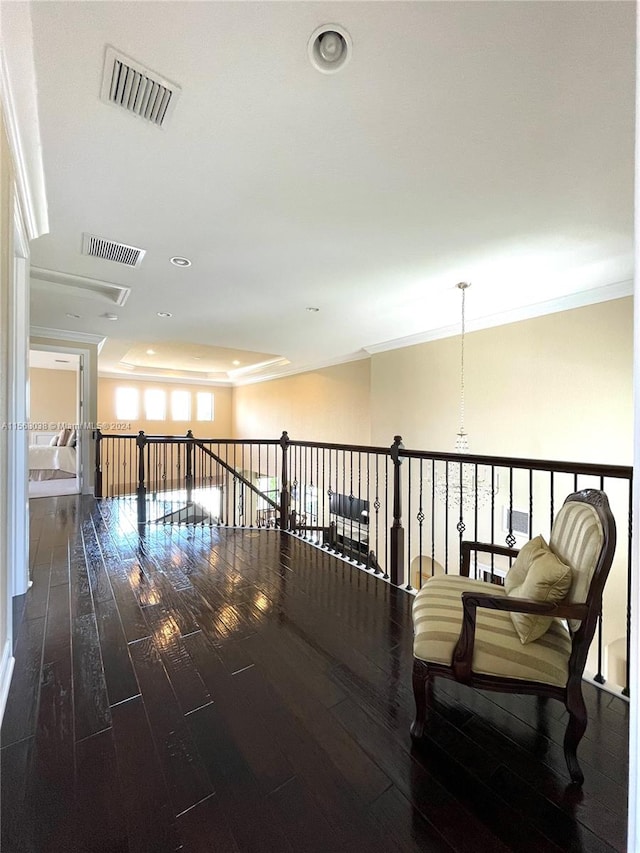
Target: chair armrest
487,548
463,652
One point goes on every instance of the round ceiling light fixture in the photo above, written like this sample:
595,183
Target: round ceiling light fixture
164,314
151,352
110,316
73,316
180,262
329,48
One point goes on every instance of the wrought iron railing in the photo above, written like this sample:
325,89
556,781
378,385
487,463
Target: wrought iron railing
398,512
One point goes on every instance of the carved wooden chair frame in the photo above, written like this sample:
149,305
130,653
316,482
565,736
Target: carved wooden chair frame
588,613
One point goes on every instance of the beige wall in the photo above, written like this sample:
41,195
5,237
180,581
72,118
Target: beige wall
555,387
331,404
53,395
220,427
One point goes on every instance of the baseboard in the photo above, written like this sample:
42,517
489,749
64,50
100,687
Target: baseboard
6,671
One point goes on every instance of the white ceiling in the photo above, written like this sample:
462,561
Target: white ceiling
482,141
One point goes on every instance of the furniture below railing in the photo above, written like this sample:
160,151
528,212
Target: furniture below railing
400,513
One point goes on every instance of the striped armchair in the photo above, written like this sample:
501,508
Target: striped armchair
531,636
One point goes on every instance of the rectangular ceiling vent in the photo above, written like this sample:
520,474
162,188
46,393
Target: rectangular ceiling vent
128,84
109,250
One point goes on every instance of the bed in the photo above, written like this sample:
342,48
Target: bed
51,463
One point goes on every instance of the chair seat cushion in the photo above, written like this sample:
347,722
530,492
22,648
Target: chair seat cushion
437,620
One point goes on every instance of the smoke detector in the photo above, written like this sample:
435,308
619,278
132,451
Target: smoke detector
329,48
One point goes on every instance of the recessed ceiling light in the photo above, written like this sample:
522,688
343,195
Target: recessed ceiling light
196,357
311,308
110,316
235,362
164,314
180,262
151,352
73,316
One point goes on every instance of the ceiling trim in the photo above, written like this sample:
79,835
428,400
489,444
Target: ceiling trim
66,335
166,380
607,292
307,368
21,117
82,285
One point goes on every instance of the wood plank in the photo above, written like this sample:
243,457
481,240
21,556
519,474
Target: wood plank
20,714
91,703
186,778
101,823
119,676
17,824
150,823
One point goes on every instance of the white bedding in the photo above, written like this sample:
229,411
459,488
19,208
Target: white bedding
51,462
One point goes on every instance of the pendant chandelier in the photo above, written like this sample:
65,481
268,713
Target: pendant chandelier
465,484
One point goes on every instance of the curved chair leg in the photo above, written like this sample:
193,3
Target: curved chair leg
575,729
420,679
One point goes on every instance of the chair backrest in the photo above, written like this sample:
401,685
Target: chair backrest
584,537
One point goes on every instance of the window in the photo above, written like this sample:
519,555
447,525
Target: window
155,404
205,405
180,405
127,404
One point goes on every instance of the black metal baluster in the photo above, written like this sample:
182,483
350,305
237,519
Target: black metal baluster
493,514
386,519
446,517
433,515
376,507
475,523
460,527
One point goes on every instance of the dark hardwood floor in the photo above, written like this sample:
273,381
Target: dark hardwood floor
204,690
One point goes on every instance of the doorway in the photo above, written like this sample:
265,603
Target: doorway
55,405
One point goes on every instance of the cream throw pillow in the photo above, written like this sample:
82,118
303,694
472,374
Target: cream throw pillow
547,579
518,571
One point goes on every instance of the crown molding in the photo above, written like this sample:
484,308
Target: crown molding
20,113
307,368
605,293
66,335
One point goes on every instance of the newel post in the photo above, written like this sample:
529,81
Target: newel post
141,442
189,475
97,479
284,490
397,531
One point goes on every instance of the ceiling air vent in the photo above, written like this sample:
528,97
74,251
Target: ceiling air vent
128,84
109,250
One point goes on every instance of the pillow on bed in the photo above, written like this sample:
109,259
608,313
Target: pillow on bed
63,437
73,439
54,441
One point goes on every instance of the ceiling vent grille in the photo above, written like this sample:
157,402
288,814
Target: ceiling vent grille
128,84
109,250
